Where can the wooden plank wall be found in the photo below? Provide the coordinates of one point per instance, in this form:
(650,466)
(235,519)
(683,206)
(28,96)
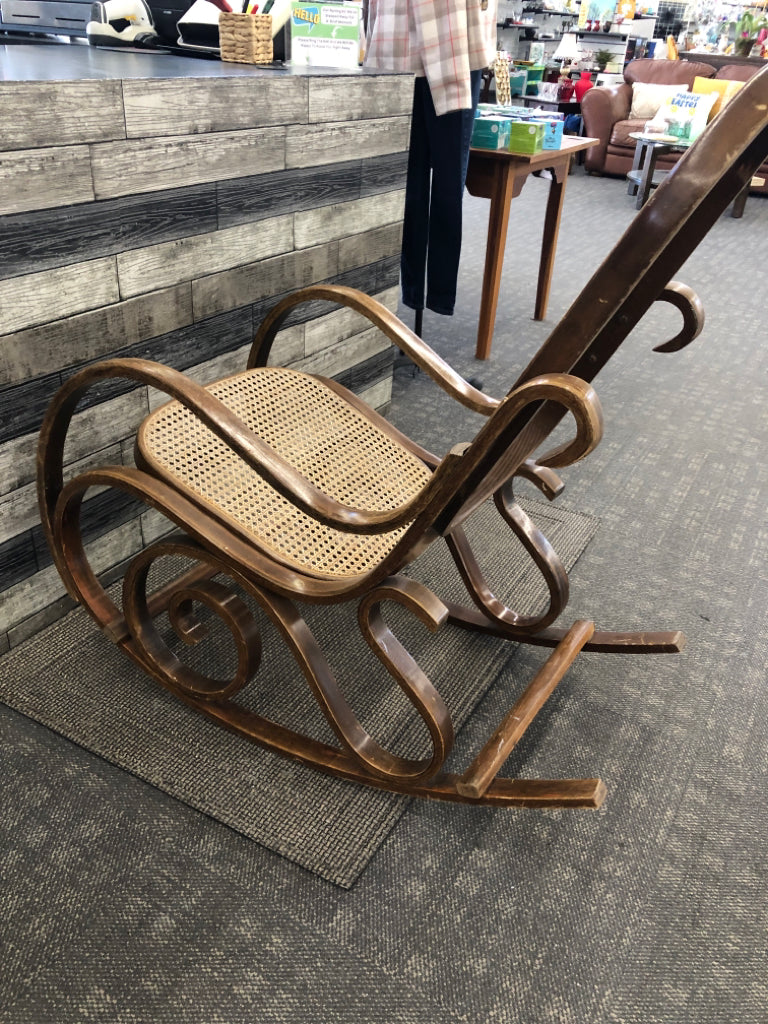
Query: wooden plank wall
(161,219)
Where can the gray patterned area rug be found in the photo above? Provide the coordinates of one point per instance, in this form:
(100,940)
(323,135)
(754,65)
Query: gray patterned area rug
(71,679)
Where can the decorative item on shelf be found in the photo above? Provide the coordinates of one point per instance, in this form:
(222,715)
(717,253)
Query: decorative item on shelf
(565,89)
(518,80)
(566,54)
(583,83)
(596,25)
(602,57)
(547,92)
(747,31)
(536,53)
(501,73)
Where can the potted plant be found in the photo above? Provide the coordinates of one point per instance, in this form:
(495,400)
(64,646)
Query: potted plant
(746,31)
(602,57)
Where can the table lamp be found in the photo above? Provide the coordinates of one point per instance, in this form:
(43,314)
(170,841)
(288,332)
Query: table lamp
(567,50)
(566,53)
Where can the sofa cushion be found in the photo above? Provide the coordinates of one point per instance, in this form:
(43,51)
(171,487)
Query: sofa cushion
(723,88)
(683,116)
(647,97)
(737,72)
(668,72)
(621,130)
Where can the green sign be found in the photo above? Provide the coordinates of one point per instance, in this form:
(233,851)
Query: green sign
(326,35)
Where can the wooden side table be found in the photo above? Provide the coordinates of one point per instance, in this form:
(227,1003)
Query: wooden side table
(644,176)
(500,176)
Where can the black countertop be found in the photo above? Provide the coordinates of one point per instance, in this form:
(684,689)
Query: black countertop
(51,61)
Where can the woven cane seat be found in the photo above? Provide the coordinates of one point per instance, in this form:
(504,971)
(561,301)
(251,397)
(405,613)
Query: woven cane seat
(327,440)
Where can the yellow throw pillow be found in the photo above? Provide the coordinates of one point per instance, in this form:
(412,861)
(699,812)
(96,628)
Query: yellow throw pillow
(647,97)
(724,87)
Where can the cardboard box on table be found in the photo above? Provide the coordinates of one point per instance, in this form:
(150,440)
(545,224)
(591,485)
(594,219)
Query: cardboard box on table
(490,132)
(547,133)
(526,137)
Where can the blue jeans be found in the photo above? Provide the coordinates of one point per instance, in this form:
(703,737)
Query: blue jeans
(437,170)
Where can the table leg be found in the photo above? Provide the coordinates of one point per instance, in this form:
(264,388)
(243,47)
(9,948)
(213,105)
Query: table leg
(637,165)
(646,182)
(737,210)
(549,238)
(498,220)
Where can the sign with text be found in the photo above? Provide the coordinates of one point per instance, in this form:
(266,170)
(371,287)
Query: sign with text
(325,35)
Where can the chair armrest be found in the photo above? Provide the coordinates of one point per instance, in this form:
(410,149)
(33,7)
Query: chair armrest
(411,344)
(601,108)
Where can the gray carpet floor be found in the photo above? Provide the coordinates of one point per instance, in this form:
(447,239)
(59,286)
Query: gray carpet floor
(122,904)
(328,826)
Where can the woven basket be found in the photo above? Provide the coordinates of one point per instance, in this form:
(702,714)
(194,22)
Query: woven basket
(245,38)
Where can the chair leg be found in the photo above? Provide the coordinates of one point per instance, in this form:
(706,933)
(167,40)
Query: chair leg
(491,616)
(477,778)
(603,641)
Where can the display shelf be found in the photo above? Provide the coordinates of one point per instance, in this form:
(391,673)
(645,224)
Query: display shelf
(527,24)
(603,35)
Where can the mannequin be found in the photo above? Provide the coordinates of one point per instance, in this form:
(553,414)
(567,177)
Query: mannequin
(447,45)
(437,169)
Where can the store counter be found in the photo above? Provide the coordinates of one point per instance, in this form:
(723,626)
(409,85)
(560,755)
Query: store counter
(154,205)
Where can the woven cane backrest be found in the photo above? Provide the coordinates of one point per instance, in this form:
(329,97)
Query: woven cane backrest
(312,428)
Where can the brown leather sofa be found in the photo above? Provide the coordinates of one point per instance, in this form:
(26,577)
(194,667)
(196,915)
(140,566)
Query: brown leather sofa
(605,110)
(742,73)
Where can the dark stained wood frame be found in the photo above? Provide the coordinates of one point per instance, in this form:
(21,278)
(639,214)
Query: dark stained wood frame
(664,233)
(500,176)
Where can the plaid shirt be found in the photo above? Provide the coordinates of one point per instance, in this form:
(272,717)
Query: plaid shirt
(442,39)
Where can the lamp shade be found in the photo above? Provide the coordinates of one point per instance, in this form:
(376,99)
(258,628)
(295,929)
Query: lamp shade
(567,49)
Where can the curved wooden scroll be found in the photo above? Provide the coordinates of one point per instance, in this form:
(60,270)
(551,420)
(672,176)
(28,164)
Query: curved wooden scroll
(688,302)
(541,552)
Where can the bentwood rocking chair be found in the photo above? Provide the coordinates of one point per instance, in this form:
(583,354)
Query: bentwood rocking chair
(292,488)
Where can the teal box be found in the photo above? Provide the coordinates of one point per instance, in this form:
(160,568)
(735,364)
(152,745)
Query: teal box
(501,110)
(553,134)
(490,133)
(518,80)
(526,137)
